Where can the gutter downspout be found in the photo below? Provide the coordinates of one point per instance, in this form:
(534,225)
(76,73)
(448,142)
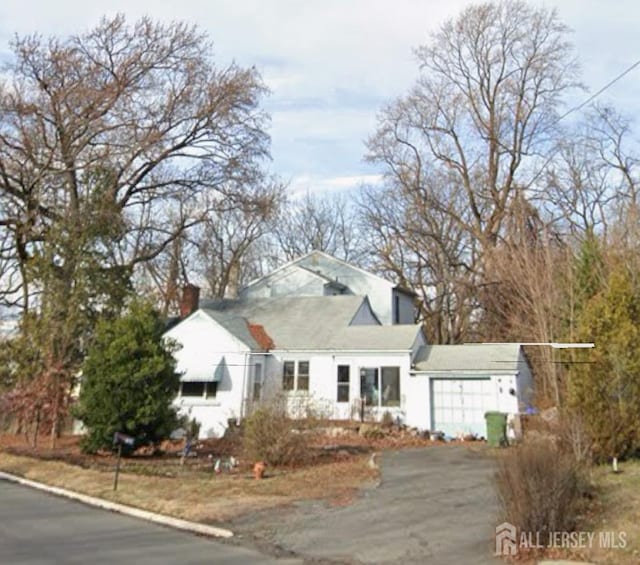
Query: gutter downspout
(243,401)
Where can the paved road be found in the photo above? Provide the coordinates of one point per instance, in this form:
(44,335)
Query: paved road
(433,506)
(40,529)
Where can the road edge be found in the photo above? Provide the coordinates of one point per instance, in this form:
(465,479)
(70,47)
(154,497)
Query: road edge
(177,523)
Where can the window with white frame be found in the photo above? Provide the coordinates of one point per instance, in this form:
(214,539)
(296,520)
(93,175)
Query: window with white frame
(302,380)
(198,389)
(343,383)
(295,375)
(380,386)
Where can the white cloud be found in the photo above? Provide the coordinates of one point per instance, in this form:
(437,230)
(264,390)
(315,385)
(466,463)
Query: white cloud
(302,184)
(331,64)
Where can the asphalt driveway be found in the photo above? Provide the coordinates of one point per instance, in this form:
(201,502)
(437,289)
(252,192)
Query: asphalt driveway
(434,505)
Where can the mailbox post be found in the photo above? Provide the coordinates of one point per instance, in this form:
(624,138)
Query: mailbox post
(120,439)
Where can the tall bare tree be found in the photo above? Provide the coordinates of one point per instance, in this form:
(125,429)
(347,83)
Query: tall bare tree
(424,250)
(316,222)
(469,137)
(108,140)
(224,250)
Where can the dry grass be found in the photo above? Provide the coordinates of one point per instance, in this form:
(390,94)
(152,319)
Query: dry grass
(201,496)
(617,510)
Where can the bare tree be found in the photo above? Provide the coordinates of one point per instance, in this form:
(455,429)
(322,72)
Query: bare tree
(424,250)
(591,184)
(118,126)
(108,140)
(528,298)
(316,222)
(468,140)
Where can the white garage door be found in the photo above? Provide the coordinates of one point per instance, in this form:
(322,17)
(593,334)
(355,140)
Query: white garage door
(458,405)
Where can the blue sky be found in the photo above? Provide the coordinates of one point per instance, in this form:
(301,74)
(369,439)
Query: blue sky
(332,64)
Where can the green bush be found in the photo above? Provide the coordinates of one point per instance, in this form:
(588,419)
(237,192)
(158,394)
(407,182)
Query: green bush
(128,381)
(269,436)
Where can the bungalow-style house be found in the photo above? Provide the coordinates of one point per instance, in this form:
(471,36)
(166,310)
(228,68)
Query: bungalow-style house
(309,333)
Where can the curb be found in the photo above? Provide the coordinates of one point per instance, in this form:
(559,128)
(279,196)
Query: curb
(177,523)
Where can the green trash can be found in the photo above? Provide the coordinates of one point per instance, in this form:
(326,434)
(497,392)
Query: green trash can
(496,428)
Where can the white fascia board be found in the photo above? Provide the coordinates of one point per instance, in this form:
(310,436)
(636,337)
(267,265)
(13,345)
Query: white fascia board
(347,264)
(461,372)
(342,351)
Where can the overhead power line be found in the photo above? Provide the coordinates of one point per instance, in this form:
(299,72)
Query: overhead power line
(599,92)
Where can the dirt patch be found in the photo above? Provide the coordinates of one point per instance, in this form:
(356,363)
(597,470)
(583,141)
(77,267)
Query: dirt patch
(199,495)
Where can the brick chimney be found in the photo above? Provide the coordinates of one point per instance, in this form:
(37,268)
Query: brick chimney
(190,299)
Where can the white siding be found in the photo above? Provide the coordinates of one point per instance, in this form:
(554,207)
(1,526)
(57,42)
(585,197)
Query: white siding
(359,282)
(323,384)
(289,281)
(298,279)
(417,402)
(204,343)
(438,400)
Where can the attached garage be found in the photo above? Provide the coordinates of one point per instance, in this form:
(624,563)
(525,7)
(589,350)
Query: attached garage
(458,405)
(466,381)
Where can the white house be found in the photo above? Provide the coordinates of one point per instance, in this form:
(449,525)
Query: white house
(319,274)
(288,335)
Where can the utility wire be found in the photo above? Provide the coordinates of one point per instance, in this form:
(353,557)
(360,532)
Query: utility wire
(596,94)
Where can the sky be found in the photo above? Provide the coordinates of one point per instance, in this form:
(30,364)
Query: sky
(331,65)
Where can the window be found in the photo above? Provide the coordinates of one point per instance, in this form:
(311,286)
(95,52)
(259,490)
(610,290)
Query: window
(199,389)
(380,386)
(288,375)
(369,386)
(343,383)
(295,376)
(396,309)
(303,375)
(390,386)
(257,382)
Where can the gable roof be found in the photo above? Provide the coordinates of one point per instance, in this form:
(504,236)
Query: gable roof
(314,323)
(328,280)
(376,338)
(313,256)
(303,263)
(291,322)
(238,327)
(474,357)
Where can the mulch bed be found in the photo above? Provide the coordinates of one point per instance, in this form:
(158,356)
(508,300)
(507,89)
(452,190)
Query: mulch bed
(327,443)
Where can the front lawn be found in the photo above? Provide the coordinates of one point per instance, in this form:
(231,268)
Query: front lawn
(616,509)
(198,495)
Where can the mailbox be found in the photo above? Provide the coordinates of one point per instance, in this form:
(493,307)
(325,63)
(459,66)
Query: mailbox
(123,439)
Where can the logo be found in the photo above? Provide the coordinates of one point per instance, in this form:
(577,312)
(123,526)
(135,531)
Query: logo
(506,539)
